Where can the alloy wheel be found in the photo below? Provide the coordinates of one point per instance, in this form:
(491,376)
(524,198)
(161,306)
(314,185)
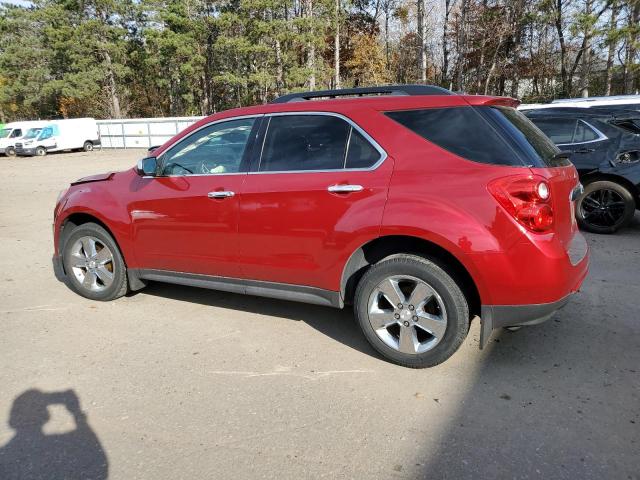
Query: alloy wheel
(602,208)
(92,263)
(407,314)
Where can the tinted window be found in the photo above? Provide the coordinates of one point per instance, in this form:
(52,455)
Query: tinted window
(535,147)
(361,153)
(460,130)
(217,148)
(584,133)
(304,142)
(559,130)
(629,125)
(16,133)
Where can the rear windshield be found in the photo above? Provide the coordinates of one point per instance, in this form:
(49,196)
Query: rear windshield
(488,134)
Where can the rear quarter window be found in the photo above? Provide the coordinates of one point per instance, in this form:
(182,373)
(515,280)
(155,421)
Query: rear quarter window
(460,130)
(491,135)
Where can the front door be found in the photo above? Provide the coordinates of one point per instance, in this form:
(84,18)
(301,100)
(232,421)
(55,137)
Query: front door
(186,219)
(316,194)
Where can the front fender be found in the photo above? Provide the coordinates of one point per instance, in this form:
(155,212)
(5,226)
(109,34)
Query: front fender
(112,214)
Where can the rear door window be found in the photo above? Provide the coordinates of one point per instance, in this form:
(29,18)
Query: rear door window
(361,154)
(314,142)
(584,133)
(559,130)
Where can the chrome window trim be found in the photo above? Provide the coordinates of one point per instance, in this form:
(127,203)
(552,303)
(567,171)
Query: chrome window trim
(601,136)
(369,138)
(215,122)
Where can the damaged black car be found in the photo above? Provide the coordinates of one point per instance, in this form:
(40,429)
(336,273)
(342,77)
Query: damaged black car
(604,146)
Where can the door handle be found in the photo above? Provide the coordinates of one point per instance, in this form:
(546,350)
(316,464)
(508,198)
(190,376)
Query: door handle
(345,188)
(220,194)
(586,150)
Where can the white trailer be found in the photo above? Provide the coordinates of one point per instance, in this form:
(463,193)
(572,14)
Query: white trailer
(141,132)
(58,135)
(14,132)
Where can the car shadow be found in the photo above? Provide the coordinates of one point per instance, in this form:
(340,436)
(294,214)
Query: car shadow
(337,324)
(35,454)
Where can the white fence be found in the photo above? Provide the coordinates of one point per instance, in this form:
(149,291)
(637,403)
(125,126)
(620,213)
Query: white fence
(141,132)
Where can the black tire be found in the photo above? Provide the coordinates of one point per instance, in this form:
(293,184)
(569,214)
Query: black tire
(617,207)
(10,152)
(41,151)
(118,286)
(88,146)
(455,303)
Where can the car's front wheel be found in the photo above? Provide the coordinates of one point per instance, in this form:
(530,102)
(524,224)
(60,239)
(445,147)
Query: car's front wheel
(93,263)
(10,152)
(605,207)
(411,311)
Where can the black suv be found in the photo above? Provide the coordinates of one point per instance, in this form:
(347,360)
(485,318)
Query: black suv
(605,148)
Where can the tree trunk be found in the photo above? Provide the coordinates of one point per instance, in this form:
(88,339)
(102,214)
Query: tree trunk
(387,11)
(563,49)
(421,39)
(632,49)
(586,56)
(114,107)
(279,68)
(445,43)
(336,49)
(461,47)
(613,22)
(311,46)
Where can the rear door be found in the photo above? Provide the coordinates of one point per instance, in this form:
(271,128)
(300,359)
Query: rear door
(314,195)
(588,146)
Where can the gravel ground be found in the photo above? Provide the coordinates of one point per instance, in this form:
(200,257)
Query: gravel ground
(176,382)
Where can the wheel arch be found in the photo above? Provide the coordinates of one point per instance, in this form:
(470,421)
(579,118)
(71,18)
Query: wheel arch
(381,247)
(587,177)
(76,219)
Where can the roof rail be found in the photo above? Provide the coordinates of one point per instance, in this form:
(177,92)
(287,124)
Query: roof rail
(403,90)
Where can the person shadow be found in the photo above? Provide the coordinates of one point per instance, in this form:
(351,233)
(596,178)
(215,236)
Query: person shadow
(33,454)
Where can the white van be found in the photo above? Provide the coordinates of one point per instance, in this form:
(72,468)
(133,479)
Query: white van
(58,135)
(13,132)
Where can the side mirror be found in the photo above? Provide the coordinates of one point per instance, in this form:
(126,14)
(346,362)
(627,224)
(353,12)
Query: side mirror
(147,167)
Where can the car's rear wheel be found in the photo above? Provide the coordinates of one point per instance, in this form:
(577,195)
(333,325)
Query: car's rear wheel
(411,311)
(605,207)
(88,146)
(93,263)
(41,151)
(10,151)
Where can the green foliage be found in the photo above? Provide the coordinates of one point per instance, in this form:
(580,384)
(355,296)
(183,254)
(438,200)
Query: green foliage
(109,58)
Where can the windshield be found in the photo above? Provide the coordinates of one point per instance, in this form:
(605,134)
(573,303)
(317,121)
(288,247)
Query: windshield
(32,133)
(4,133)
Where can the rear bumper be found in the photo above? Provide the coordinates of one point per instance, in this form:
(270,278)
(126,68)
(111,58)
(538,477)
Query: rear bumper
(498,316)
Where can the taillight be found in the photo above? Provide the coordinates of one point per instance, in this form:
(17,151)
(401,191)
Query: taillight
(527,199)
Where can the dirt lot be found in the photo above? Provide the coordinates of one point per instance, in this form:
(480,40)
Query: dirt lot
(180,382)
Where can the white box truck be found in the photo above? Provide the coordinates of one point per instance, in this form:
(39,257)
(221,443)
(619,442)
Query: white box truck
(58,135)
(14,132)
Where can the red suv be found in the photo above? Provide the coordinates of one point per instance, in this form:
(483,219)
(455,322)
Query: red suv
(419,207)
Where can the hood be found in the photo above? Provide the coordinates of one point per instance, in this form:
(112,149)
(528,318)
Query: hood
(101,177)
